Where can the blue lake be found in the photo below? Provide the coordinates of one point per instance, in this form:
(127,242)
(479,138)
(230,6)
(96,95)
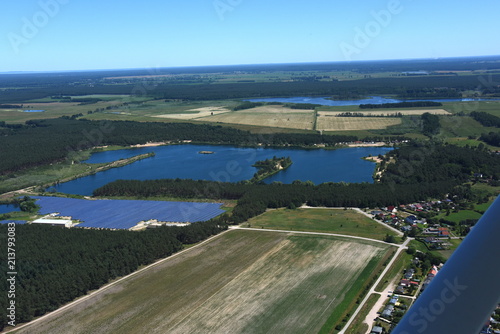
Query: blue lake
(229,164)
(371,100)
(6,208)
(33,110)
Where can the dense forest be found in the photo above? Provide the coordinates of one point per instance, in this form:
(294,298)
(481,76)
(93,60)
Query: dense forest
(430,124)
(486,119)
(428,87)
(47,141)
(417,104)
(492,138)
(56,265)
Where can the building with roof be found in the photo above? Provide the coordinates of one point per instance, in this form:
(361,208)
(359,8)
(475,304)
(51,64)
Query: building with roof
(387,312)
(54,222)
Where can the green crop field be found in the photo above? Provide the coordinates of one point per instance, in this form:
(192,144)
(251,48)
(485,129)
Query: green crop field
(332,123)
(348,222)
(239,282)
(457,217)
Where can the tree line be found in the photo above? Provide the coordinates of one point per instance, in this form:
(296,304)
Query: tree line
(416,104)
(47,141)
(486,119)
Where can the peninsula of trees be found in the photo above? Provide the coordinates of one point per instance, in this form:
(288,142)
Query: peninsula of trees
(270,167)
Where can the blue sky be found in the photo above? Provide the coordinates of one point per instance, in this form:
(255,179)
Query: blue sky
(44,35)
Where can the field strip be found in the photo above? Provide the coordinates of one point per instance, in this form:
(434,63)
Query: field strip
(313,233)
(372,289)
(107,286)
(223,287)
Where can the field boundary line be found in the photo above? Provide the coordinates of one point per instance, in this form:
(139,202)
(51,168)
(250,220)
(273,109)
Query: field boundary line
(109,285)
(312,233)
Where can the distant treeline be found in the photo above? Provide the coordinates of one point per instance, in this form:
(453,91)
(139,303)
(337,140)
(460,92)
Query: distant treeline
(47,141)
(10,106)
(420,172)
(307,106)
(428,87)
(248,105)
(364,114)
(56,265)
(486,119)
(430,124)
(417,104)
(492,138)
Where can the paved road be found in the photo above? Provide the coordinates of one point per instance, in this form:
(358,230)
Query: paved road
(372,290)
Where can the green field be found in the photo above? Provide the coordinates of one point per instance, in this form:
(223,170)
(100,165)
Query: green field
(462,126)
(457,217)
(348,222)
(239,282)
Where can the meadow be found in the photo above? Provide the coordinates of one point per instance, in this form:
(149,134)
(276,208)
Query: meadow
(347,222)
(332,123)
(239,282)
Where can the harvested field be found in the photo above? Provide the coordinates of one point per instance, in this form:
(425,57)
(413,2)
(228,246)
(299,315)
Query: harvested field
(387,112)
(295,120)
(239,282)
(272,109)
(331,123)
(196,113)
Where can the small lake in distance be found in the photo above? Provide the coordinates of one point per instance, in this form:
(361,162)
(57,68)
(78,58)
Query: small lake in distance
(325,101)
(229,164)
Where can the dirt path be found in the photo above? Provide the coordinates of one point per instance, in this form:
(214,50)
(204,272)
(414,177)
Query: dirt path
(312,233)
(373,314)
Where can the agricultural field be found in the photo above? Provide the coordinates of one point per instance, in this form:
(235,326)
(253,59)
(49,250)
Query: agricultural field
(457,217)
(331,123)
(196,113)
(459,126)
(54,108)
(286,119)
(347,222)
(239,282)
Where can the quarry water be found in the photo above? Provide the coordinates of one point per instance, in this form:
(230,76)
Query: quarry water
(228,164)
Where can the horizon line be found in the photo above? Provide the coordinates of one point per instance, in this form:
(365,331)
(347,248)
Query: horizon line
(247,64)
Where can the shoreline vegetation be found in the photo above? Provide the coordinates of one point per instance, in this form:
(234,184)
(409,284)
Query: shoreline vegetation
(92,169)
(270,167)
